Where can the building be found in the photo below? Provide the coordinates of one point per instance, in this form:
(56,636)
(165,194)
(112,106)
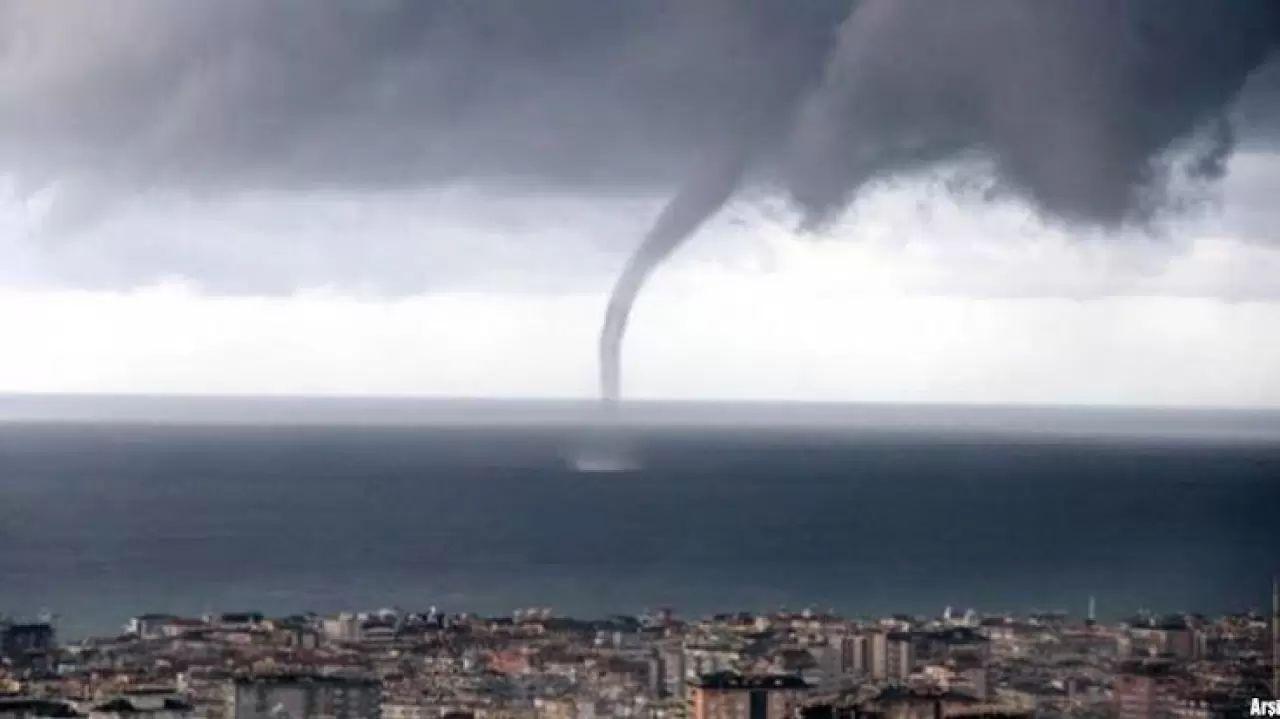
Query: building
(1170,637)
(828,665)
(953,643)
(702,659)
(853,653)
(828,711)
(237,621)
(148,626)
(303,697)
(1205,706)
(27,708)
(26,644)
(870,654)
(1275,637)
(410,709)
(727,695)
(557,709)
(346,627)
(878,655)
(899,657)
(671,659)
(1144,691)
(974,681)
(905,703)
(142,708)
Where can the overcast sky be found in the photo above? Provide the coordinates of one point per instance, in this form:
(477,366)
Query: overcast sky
(426,199)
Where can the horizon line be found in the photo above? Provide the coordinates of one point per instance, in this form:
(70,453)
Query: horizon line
(642,401)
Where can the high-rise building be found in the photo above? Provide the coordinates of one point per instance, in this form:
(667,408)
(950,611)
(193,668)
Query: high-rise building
(733,696)
(1144,691)
(878,655)
(303,697)
(345,627)
(875,655)
(671,658)
(25,645)
(900,656)
(853,654)
(973,679)
(828,665)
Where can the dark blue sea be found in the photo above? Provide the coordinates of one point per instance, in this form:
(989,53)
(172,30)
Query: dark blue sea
(284,506)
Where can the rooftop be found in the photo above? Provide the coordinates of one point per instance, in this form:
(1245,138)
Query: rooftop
(124,706)
(897,693)
(300,679)
(1147,668)
(726,681)
(25,706)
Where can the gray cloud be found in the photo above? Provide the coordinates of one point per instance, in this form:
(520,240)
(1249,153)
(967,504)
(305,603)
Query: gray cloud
(1073,100)
(1076,103)
(214,94)
(1079,107)
(369,244)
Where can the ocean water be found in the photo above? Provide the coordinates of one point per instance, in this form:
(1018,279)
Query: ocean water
(101,520)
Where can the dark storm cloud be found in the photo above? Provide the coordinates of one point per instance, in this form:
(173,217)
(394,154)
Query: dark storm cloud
(1076,105)
(1072,100)
(1075,102)
(240,93)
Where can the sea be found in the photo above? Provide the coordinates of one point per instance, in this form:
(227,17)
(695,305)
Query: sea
(112,507)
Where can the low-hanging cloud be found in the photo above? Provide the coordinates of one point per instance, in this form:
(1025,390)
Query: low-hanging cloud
(239,94)
(1077,107)
(1075,103)
(1073,100)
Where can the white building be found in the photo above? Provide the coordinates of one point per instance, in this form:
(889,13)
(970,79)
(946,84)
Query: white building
(346,627)
(149,626)
(303,697)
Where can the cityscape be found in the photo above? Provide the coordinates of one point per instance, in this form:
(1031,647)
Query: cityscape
(640,359)
(533,664)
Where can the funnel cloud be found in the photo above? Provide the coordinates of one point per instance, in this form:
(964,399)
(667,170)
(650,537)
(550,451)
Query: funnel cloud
(1095,113)
(1075,105)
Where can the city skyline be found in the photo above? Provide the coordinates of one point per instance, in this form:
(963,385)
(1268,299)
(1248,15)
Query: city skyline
(689,359)
(754,665)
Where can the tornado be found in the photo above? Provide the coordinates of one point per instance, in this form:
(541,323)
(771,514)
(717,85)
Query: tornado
(1079,127)
(707,190)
